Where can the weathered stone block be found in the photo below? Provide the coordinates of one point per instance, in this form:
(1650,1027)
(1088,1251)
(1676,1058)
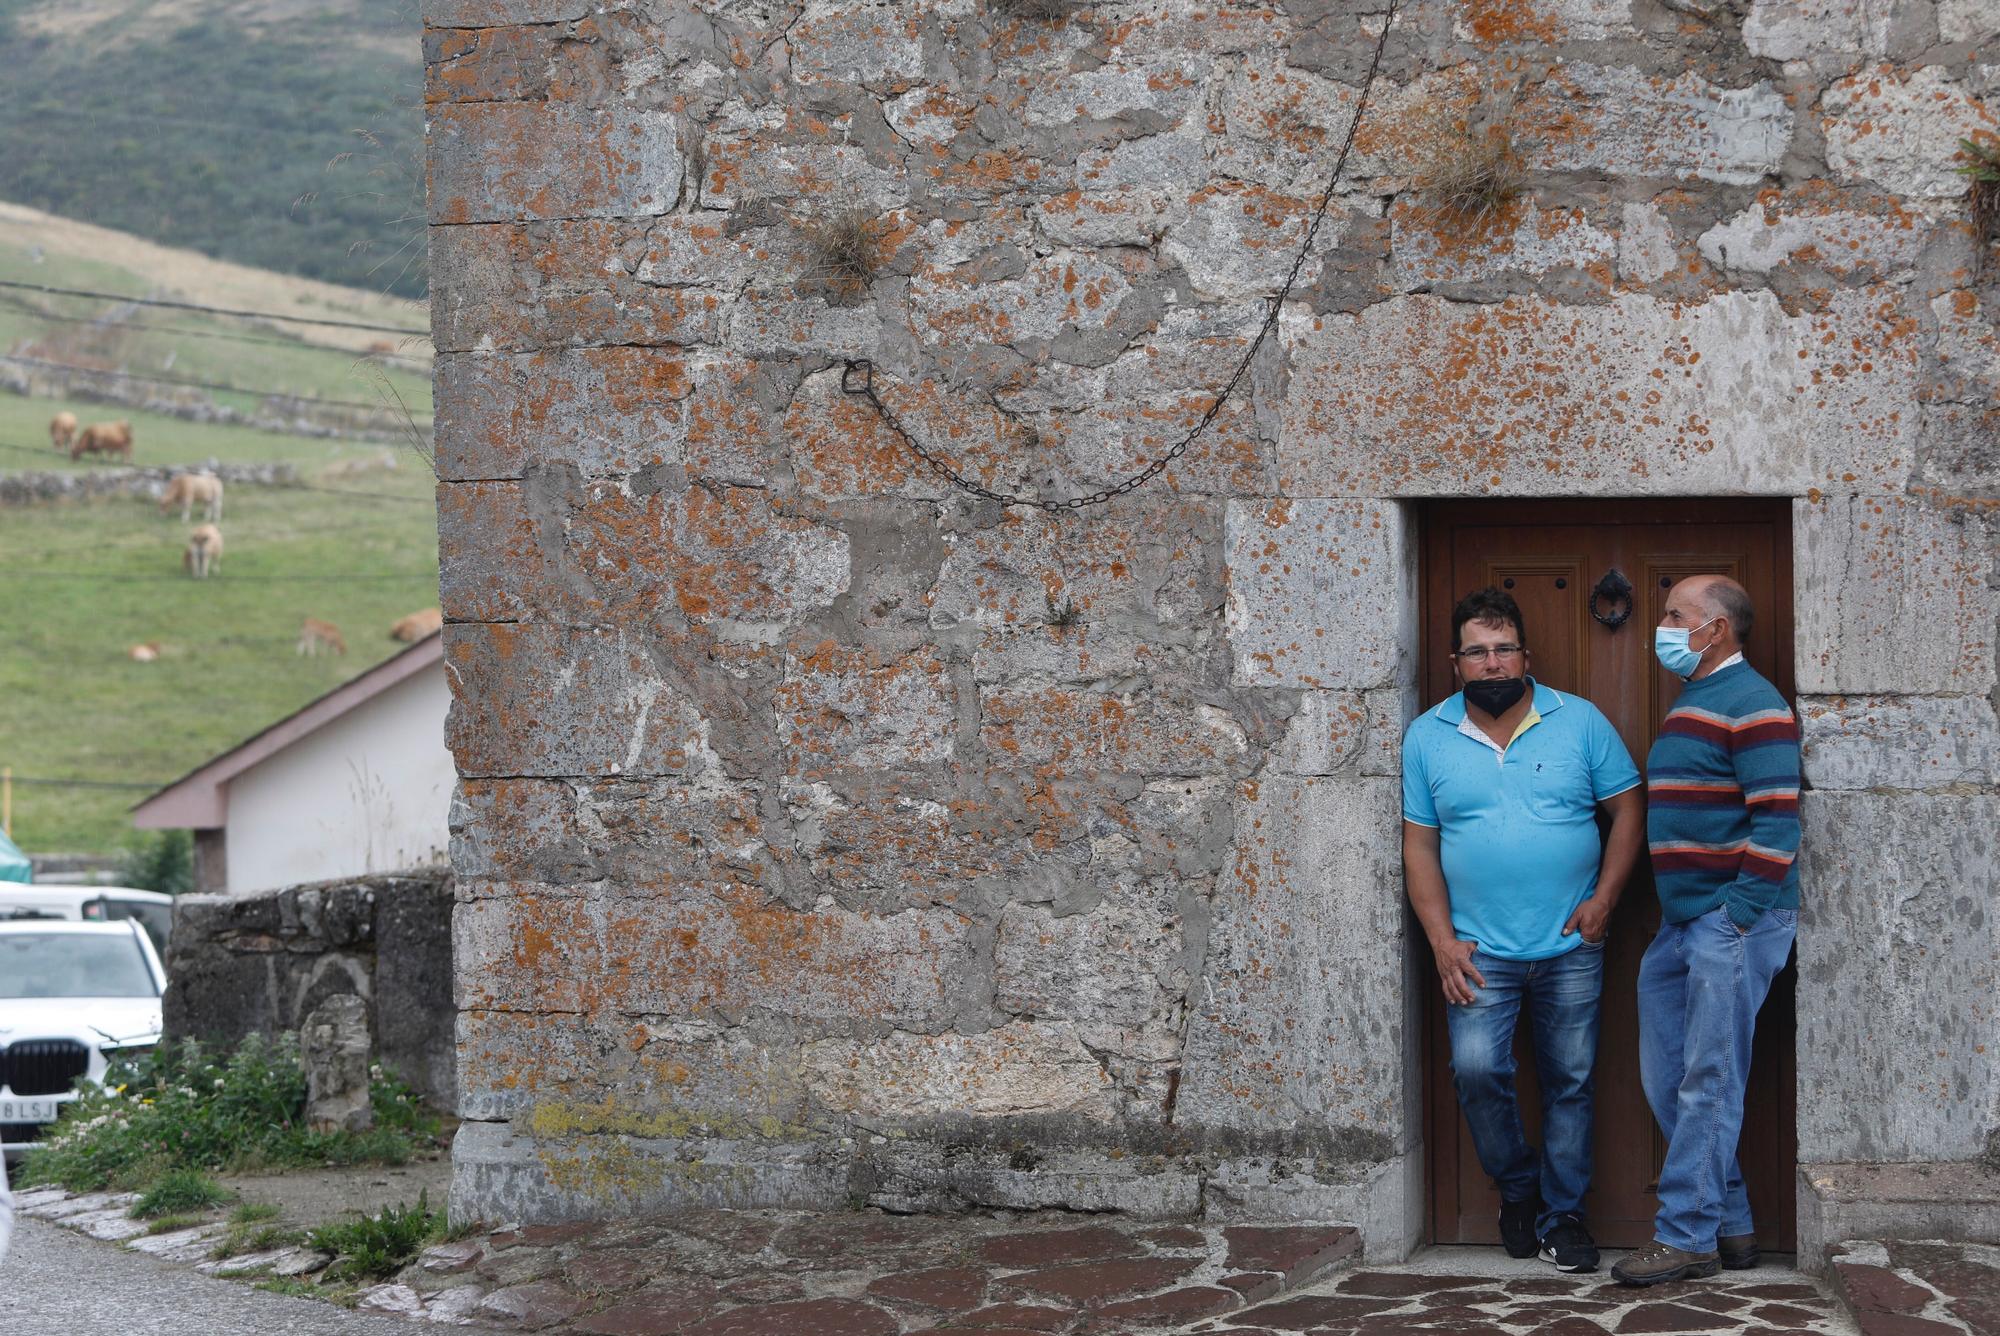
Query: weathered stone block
(839,707)
(1116,973)
(1026,1067)
(1900,597)
(1899,742)
(1835,231)
(1344,732)
(499,1174)
(1422,397)
(537,699)
(608,410)
(1151,565)
(1150,732)
(513,161)
(503,286)
(487,64)
(494,13)
(1897,1059)
(1802,29)
(334,1048)
(1430,249)
(881,50)
(1300,1027)
(1900,130)
(562,832)
(1620,121)
(720,953)
(1321,593)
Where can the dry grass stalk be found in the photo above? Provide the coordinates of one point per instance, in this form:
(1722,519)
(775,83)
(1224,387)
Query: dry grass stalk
(1038,11)
(840,252)
(1472,168)
(1982,172)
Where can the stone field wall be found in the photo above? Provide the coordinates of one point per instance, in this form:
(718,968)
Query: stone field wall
(828,834)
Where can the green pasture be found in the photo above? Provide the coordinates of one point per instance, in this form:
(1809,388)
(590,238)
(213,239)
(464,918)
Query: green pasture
(84,581)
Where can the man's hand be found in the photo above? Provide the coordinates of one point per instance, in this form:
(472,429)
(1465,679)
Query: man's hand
(1592,918)
(1454,961)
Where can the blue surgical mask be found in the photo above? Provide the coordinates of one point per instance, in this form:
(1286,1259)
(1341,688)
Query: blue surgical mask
(1670,646)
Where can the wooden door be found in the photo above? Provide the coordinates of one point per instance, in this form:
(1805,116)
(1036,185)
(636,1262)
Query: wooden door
(1549,556)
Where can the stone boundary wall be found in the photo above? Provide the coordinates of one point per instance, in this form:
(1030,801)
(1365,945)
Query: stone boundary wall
(824,833)
(29,487)
(260,963)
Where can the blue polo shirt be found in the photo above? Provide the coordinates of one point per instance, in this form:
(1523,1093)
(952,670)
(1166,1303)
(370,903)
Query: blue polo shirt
(1517,828)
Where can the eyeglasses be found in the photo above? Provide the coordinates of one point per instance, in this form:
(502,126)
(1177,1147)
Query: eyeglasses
(1479,653)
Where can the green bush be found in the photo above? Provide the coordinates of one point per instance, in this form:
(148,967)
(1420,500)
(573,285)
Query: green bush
(187,1106)
(377,1246)
(164,863)
(179,1192)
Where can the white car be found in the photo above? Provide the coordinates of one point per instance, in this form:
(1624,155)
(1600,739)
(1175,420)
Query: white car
(72,996)
(103,904)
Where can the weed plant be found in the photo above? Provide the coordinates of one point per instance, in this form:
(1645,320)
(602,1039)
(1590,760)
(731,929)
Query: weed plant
(1982,170)
(254,1227)
(188,1106)
(378,1246)
(179,1192)
(840,252)
(1035,11)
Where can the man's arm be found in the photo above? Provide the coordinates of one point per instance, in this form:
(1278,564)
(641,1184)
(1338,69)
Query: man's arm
(1423,874)
(1765,751)
(1627,811)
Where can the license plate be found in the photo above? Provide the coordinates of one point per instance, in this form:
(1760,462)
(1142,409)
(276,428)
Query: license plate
(28,1110)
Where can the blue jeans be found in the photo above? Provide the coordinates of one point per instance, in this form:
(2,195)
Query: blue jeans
(1562,994)
(1700,986)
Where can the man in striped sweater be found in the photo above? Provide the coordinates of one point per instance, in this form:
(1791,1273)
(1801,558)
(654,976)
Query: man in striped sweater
(1722,821)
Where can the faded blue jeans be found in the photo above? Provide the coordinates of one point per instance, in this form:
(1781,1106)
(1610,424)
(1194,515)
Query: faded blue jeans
(1700,986)
(1562,994)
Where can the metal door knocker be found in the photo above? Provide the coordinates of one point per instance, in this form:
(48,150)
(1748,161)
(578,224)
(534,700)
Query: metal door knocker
(1615,590)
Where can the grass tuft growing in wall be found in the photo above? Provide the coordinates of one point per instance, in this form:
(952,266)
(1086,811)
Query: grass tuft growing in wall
(1471,165)
(1035,11)
(1982,170)
(840,252)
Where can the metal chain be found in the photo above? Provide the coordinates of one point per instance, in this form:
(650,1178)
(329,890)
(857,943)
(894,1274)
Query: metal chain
(858,374)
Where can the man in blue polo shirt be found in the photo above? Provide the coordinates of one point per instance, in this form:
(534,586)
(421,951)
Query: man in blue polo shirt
(1501,787)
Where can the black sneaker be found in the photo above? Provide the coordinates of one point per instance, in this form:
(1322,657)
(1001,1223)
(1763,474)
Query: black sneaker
(1569,1245)
(1517,1226)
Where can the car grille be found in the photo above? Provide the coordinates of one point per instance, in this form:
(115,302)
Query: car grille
(43,1066)
(15,1134)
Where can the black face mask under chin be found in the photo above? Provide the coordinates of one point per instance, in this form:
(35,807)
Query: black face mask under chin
(1496,695)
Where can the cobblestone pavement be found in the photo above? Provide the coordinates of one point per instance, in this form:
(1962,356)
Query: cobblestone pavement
(775,1273)
(1929,1288)
(1481,1290)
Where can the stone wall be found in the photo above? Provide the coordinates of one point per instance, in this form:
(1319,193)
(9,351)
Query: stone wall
(826,833)
(259,964)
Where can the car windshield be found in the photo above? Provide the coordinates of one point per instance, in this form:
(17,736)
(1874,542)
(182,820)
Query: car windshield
(72,964)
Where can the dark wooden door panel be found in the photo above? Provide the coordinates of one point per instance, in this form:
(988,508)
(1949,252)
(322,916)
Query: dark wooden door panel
(1549,556)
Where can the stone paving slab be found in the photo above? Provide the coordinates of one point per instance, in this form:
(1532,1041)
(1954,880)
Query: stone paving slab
(771,1273)
(1481,1290)
(1928,1287)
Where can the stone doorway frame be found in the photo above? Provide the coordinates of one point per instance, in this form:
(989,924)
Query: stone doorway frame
(1894,660)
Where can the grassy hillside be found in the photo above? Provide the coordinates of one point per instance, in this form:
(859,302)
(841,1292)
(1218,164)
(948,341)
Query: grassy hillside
(210,124)
(83,582)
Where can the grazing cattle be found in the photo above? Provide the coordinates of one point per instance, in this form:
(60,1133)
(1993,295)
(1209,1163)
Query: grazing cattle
(191,489)
(316,635)
(62,430)
(103,438)
(204,551)
(417,625)
(145,653)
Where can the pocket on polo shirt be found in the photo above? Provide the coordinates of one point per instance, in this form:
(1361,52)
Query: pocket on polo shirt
(1559,791)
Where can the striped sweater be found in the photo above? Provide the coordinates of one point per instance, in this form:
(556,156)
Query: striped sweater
(1722,803)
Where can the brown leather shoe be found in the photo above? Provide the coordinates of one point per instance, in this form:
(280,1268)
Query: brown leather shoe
(1657,1262)
(1738,1252)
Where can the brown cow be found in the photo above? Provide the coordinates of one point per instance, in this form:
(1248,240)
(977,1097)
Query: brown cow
(191,489)
(104,438)
(417,625)
(204,551)
(62,430)
(316,635)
